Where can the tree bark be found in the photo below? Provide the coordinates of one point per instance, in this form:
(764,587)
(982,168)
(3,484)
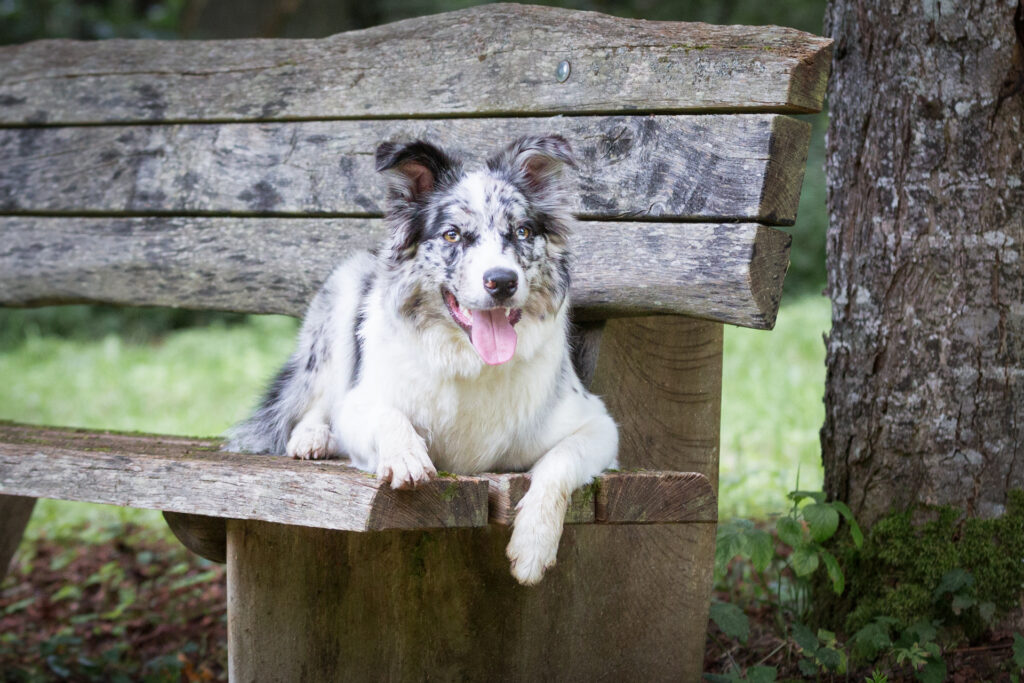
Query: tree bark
(925,389)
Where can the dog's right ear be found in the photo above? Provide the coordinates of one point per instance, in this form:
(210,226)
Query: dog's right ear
(413,170)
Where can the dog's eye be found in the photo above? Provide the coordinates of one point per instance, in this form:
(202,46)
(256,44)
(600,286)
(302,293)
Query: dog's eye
(452,235)
(523,233)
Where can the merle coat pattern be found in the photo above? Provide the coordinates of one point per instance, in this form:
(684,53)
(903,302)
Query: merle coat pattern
(449,347)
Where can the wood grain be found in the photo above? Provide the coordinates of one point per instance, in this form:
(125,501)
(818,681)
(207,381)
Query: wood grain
(726,272)
(635,497)
(661,379)
(624,602)
(744,167)
(655,497)
(492,59)
(192,476)
(15,512)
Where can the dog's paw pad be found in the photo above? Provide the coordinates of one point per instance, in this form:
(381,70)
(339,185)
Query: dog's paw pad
(406,468)
(310,442)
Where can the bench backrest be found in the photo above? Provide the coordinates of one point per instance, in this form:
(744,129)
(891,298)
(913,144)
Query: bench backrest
(234,174)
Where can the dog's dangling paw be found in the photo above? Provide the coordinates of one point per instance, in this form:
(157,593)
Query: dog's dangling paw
(310,442)
(406,467)
(533,548)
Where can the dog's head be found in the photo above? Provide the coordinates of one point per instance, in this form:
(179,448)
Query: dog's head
(482,249)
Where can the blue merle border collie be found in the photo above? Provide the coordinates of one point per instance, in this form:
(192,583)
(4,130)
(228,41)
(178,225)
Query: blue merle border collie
(449,348)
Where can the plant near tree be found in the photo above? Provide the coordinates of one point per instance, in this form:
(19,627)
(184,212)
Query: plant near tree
(776,570)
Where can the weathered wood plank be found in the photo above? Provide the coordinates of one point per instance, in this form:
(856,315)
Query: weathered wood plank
(624,602)
(15,512)
(191,476)
(492,59)
(661,378)
(727,272)
(641,497)
(746,167)
(506,490)
(613,498)
(655,497)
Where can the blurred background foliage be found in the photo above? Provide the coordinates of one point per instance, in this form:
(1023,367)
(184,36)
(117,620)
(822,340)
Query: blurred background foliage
(188,372)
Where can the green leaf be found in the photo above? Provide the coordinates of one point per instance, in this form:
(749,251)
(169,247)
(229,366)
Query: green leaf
(871,639)
(805,638)
(847,513)
(829,658)
(962,602)
(934,671)
(808,667)
(790,532)
(731,620)
(1018,650)
(762,549)
(797,496)
(730,541)
(835,574)
(19,605)
(952,582)
(822,519)
(762,674)
(826,636)
(804,560)
(922,631)
(67,592)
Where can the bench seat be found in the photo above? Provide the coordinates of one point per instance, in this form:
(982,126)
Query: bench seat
(198,486)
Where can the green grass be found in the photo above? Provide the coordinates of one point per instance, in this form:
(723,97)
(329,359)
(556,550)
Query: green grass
(772,390)
(194,382)
(198,381)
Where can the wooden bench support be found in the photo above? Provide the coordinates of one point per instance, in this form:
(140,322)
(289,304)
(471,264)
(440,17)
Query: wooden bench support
(313,605)
(661,377)
(14,515)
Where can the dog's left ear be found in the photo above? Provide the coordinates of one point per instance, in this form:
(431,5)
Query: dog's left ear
(536,161)
(413,169)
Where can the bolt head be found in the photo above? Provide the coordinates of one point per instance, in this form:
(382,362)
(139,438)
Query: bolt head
(563,71)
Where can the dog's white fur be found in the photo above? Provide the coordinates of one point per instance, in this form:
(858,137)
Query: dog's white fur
(425,400)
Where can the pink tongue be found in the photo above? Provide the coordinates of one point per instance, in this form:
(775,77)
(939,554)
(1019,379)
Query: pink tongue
(493,336)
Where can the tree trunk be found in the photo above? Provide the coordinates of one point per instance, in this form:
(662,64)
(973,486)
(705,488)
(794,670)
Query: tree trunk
(925,390)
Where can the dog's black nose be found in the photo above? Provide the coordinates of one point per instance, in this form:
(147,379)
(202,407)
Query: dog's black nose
(501,283)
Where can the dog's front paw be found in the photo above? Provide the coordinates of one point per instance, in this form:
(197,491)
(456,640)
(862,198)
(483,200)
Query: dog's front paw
(405,466)
(310,442)
(534,545)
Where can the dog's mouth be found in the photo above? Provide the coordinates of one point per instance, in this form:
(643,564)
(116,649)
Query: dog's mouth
(490,330)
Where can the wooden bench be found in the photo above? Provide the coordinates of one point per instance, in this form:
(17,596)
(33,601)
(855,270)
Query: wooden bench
(233,175)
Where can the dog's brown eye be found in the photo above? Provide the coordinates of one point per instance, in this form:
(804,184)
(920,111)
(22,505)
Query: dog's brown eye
(452,236)
(523,233)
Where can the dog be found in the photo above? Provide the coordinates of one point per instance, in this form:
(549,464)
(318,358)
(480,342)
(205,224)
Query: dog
(449,347)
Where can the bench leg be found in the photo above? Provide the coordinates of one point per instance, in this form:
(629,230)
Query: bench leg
(661,378)
(316,605)
(14,514)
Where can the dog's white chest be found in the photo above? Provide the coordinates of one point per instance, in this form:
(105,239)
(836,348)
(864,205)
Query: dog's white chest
(481,424)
